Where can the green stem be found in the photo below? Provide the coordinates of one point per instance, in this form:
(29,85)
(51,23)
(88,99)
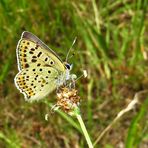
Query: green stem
(84,131)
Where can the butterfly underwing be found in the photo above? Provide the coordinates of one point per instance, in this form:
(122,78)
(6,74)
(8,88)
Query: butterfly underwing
(40,69)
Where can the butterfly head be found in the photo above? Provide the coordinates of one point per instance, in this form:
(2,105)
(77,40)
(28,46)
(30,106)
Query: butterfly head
(68,66)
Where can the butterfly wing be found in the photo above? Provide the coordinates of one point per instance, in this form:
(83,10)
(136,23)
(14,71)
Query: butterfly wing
(31,49)
(36,82)
(39,68)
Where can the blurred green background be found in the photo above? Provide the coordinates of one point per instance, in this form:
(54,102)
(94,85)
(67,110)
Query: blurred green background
(112,45)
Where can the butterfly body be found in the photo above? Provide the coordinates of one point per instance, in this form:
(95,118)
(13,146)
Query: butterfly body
(40,69)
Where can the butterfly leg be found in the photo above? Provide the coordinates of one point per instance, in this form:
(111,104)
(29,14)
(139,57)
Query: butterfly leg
(57,90)
(72,81)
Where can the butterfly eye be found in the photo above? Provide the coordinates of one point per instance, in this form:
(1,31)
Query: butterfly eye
(68,66)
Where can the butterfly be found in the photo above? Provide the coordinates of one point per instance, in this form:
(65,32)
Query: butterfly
(40,69)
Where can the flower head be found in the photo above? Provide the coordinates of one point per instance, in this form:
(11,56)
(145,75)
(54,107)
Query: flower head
(68,100)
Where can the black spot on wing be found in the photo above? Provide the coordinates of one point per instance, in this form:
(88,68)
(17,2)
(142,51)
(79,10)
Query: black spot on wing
(33,60)
(26,65)
(39,54)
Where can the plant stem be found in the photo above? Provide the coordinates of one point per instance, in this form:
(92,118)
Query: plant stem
(84,131)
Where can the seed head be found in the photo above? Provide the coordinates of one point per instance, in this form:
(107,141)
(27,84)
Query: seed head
(68,100)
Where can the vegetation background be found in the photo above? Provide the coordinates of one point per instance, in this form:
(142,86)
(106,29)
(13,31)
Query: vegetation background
(112,45)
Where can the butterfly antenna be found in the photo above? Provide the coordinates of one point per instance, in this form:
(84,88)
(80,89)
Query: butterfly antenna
(71,49)
(82,75)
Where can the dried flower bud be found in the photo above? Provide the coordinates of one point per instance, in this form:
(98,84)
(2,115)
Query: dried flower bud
(68,100)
